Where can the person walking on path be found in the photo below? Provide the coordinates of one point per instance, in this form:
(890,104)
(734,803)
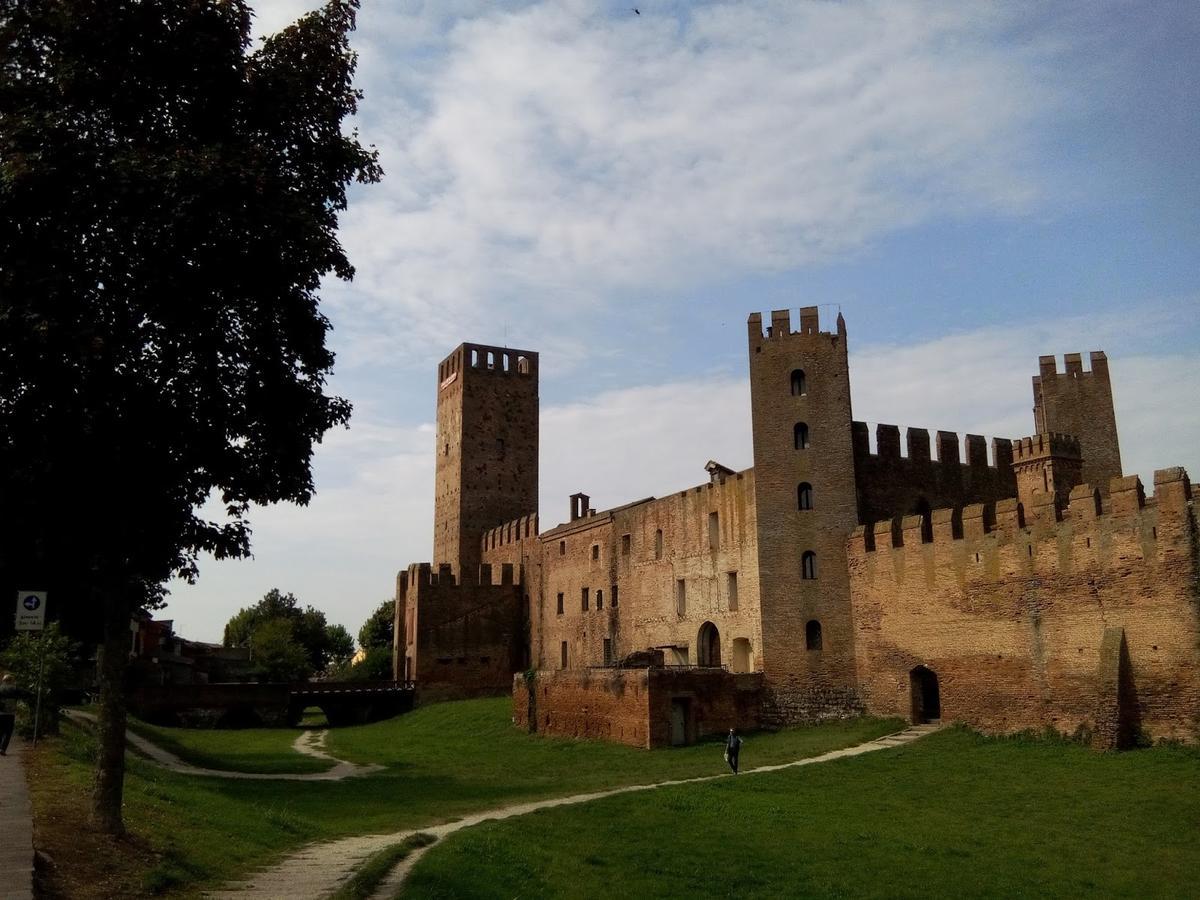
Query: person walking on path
(733,746)
(8,711)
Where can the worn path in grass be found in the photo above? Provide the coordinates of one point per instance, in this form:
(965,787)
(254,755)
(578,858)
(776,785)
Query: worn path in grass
(319,869)
(310,743)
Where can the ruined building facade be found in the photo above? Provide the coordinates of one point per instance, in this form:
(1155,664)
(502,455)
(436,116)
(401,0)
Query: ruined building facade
(1025,587)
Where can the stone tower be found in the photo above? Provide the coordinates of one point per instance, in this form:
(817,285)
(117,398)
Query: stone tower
(1046,464)
(487,449)
(1080,403)
(806,504)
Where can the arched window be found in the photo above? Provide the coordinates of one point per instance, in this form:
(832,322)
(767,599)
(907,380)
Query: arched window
(812,635)
(799,385)
(800,436)
(808,566)
(804,495)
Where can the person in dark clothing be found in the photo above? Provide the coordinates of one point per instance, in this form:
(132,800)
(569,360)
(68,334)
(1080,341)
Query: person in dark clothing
(733,746)
(8,711)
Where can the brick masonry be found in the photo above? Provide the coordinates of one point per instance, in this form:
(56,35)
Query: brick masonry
(1030,598)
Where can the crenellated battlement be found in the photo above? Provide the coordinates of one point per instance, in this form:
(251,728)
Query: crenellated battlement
(1040,446)
(486,359)
(918,446)
(513,532)
(420,576)
(1050,521)
(781,324)
(1073,365)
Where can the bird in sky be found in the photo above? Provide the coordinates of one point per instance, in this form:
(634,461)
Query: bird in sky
(636,10)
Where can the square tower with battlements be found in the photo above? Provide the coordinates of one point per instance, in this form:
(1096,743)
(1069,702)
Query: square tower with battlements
(1080,403)
(487,449)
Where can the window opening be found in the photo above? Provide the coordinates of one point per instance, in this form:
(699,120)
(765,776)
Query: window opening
(804,495)
(812,635)
(658,544)
(799,384)
(680,597)
(732,590)
(800,436)
(808,566)
(714,531)
(560,604)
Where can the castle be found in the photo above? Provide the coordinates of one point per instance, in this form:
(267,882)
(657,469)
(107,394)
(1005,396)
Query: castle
(1031,587)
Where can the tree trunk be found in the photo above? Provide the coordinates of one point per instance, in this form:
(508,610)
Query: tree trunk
(112,660)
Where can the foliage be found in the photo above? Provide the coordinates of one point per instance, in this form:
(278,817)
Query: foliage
(277,654)
(169,202)
(49,652)
(340,645)
(375,665)
(320,643)
(378,629)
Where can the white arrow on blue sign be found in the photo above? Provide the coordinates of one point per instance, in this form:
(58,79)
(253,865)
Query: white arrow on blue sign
(31,610)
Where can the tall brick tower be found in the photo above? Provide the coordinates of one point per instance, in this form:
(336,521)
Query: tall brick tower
(805,497)
(487,449)
(1080,403)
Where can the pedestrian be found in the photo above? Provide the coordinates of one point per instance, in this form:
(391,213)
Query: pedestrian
(8,711)
(733,746)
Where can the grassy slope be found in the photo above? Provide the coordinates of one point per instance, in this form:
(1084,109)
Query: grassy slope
(953,815)
(240,750)
(443,761)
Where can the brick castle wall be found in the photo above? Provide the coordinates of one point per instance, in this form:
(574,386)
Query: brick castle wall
(1023,622)
(634,706)
(890,484)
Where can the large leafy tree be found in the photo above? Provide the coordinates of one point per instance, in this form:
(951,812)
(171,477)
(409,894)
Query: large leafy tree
(377,630)
(169,200)
(321,644)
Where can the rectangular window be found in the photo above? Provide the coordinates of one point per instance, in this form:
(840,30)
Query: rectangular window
(680,598)
(608,656)
(583,596)
(625,541)
(613,597)
(560,604)
(658,544)
(562,548)
(599,599)
(714,531)
(595,551)
(563,664)
(731,584)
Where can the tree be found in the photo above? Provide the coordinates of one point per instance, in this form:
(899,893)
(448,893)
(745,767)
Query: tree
(169,202)
(278,654)
(341,645)
(321,642)
(44,658)
(377,631)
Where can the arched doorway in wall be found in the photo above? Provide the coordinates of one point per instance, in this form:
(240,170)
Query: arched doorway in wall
(926,696)
(708,645)
(742,660)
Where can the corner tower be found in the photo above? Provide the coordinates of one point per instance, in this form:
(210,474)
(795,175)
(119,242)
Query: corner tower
(1080,403)
(804,490)
(487,449)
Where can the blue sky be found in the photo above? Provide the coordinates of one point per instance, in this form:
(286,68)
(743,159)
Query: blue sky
(974,184)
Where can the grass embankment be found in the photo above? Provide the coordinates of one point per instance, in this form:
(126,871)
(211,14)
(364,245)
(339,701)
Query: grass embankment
(191,833)
(241,750)
(955,814)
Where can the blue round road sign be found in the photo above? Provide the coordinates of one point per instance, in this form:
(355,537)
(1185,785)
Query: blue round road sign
(32,602)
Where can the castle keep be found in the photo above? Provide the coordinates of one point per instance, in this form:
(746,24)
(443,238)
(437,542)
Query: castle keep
(1026,586)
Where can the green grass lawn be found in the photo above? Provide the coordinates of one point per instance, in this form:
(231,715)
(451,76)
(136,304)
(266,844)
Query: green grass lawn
(442,761)
(237,750)
(954,814)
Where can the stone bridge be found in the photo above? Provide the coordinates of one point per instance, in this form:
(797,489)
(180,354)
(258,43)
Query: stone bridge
(280,704)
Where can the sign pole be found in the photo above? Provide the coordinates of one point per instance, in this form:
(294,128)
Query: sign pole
(37,707)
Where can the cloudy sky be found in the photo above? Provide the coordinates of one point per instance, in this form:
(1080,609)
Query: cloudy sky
(973,184)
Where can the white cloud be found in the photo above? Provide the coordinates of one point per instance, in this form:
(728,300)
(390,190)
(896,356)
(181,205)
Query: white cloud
(373,512)
(540,156)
